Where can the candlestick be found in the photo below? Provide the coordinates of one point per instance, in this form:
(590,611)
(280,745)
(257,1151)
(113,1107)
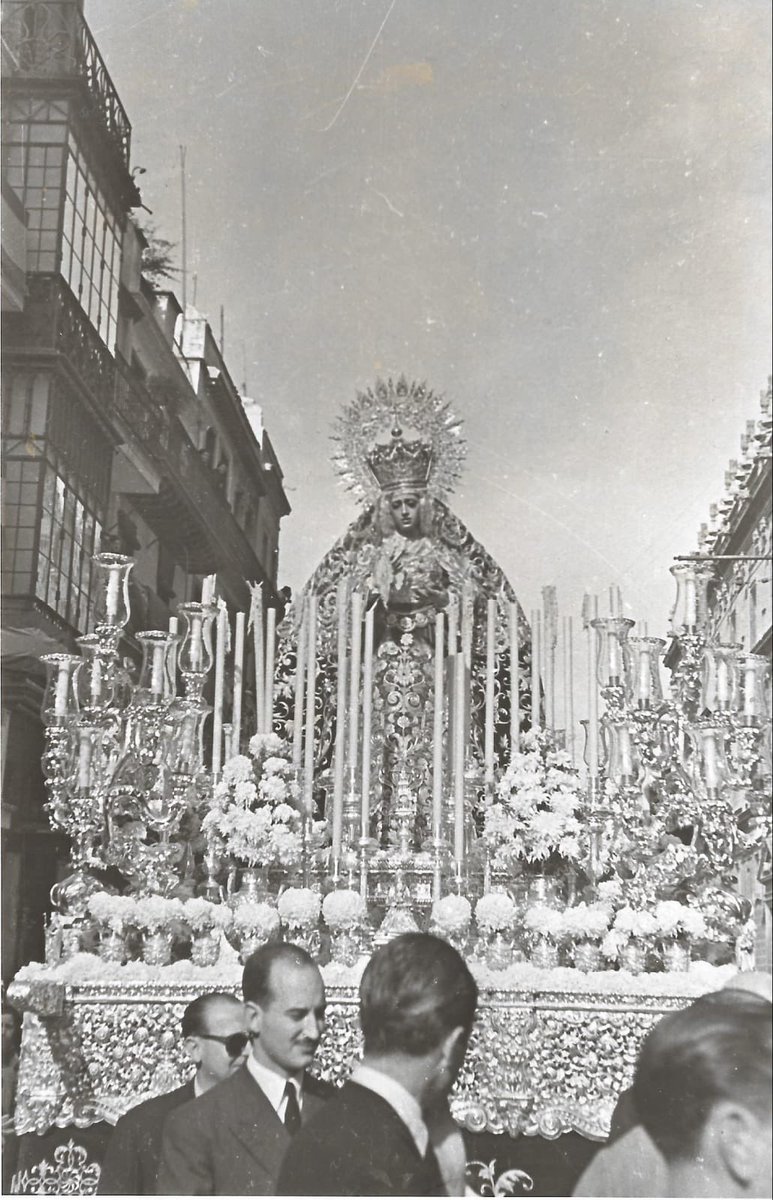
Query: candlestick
(238,682)
(217,718)
(453,624)
(488,729)
(311,681)
(458,750)
(300,680)
(84,760)
(570,726)
(270,652)
(367,709)
(339,756)
(437,744)
(515,671)
(354,684)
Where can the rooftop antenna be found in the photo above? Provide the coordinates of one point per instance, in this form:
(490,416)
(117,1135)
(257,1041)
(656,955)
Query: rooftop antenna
(183,152)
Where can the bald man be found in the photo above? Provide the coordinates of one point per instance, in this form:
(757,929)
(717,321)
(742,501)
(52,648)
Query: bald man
(630,1164)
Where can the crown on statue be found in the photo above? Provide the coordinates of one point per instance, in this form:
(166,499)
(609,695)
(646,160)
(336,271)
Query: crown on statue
(400,464)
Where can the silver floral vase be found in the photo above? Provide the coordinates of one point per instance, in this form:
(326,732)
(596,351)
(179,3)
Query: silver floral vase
(157,948)
(544,953)
(544,889)
(633,956)
(111,946)
(498,950)
(305,936)
(250,940)
(344,946)
(253,887)
(587,955)
(205,947)
(71,941)
(675,953)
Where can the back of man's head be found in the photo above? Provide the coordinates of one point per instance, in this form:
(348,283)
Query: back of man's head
(714,1055)
(256,977)
(197,1015)
(414,992)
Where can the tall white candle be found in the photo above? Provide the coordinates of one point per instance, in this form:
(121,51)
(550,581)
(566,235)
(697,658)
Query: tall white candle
(270,652)
(593,696)
(228,748)
(158,653)
(458,750)
(300,684)
(260,658)
(515,671)
(467,619)
(750,690)
(453,625)
(173,624)
(488,720)
(354,684)
(112,596)
(710,759)
(311,683)
(570,718)
(437,731)
(367,713)
(62,689)
(238,684)
(339,755)
(217,717)
(535,669)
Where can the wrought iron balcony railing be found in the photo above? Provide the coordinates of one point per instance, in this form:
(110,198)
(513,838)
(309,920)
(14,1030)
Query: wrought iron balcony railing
(47,40)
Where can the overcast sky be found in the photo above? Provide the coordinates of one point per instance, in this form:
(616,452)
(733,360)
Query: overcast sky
(556,212)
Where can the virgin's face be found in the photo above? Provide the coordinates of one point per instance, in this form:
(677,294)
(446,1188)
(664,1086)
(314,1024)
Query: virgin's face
(404,507)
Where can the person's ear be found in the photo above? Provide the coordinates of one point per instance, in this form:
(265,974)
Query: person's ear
(736,1136)
(192,1047)
(254,1016)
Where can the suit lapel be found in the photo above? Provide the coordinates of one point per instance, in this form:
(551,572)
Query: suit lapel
(256,1125)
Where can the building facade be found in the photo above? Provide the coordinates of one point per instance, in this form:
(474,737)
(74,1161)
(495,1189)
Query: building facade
(122,428)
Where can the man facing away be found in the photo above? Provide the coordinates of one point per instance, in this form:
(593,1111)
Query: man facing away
(702,1090)
(215,1038)
(231,1141)
(417,1006)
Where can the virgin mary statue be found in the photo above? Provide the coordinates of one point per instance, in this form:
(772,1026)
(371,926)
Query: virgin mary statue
(408,559)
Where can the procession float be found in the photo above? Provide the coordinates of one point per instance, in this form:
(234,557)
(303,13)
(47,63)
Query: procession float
(403,772)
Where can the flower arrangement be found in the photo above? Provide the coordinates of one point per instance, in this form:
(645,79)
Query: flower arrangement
(253,812)
(256,917)
(495,913)
(534,817)
(345,909)
(202,915)
(676,920)
(452,914)
(635,922)
(541,921)
(115,912)
(299,907)
(153,913)
(586,922)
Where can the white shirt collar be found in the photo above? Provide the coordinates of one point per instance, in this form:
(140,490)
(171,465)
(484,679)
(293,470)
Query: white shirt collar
(273,1085)
(398,1098)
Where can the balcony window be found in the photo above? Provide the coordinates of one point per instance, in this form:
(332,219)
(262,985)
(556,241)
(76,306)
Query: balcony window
(71,227)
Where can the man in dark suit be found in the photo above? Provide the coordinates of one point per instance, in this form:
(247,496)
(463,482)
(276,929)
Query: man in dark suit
(231,1142)
(417,1006)
(215,1038)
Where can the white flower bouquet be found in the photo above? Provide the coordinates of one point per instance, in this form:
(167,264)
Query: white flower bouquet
(452,914)
(115,912)
(676,920)
(254,813)
(256,917)
(534,816)
(542,921)
(299,907)
(586,922)
(495,913)
(202,915)
(153,913)
(345,909)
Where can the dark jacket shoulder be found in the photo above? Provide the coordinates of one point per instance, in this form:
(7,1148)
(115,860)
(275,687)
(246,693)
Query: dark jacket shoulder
(133,1152)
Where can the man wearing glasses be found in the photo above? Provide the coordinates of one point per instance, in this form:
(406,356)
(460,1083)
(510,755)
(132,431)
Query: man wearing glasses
(216,1040)
(232,1141)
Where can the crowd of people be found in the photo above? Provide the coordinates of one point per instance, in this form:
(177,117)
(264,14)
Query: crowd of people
(254,1120)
